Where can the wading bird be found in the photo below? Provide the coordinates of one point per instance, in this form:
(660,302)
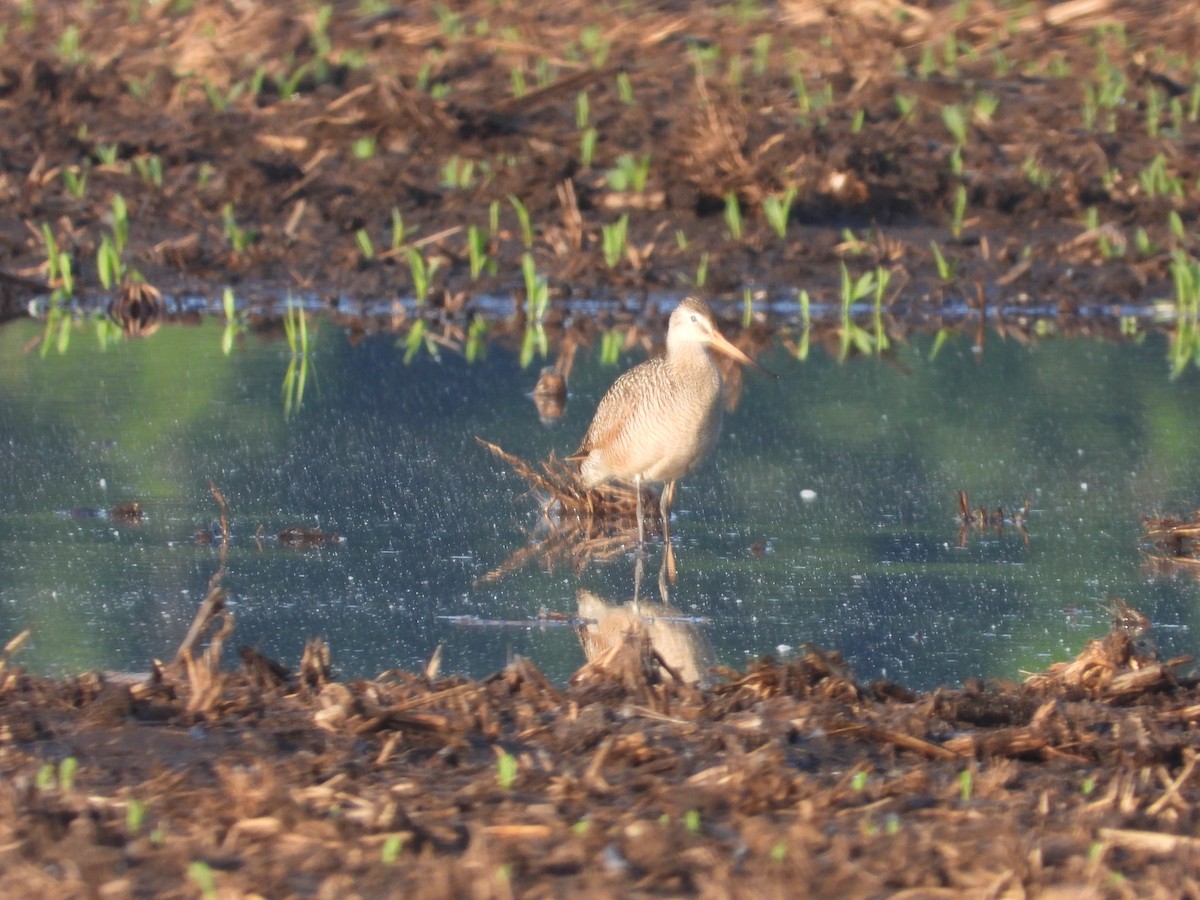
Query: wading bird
(662,416)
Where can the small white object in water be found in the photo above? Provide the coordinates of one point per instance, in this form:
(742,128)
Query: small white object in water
(808,495)
(1083,486)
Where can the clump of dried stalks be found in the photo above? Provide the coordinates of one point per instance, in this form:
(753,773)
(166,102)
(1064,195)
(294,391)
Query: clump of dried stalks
(1174,543)
(585,525)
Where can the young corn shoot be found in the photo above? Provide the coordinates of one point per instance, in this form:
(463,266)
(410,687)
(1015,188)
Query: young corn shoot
(523,220)
(778,209)
(537,301)
(613,237)
(733,216)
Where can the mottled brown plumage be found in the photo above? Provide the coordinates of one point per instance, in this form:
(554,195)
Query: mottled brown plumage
(661,417)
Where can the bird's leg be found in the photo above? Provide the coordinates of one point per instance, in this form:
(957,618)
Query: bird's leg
(638,571)
(637,487)
(665,502)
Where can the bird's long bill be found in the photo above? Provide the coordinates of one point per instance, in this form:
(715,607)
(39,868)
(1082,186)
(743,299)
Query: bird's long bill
(722,345)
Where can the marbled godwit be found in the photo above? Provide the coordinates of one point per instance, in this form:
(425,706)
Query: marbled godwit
(661,417)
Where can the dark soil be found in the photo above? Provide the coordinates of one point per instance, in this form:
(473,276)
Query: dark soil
(787,780)
(260,145)
(306,127)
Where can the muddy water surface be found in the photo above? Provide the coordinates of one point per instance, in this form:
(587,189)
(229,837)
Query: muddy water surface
(828,513)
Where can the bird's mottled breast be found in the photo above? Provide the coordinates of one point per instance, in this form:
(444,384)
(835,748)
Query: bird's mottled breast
(657,421)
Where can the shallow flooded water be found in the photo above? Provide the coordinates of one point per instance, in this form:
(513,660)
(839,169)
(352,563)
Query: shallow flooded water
(827,515)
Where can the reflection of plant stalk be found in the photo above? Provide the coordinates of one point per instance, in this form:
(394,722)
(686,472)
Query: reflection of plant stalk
(293,384)
(1185,341)
(295,328)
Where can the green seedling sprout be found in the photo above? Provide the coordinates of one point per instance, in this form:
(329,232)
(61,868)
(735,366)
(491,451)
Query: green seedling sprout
(458,174)
(762,53)
(422,274)
(955,120)
(389,853)
(110,268)
(947,270)
(66,773)
(75,180)
(594,44)
(537,301)
(1178,119)
(983,108)
(366,247)
(477,255)
(506,770)
(537,290)
(965,785)
(582,111)
(239,238)
(800,90)
(318,37)
(44,779)
(701,270)
(960,210)
(398,230)
(519,87)
(1155,101)
(135,816)
(629,174)
(610,347)
(733,71)
(852,335)
(779,852)
(747,307)
(691,821)
(150,169)
(805,326)
(201,875)
(221,102)
(928,65)
(523,220)
(613,237)
(906,105)
(1175,224)
(287,84)
(364,147)
(587,147)
(733,216)
(625,88)
(120,222)
(1038,176)
(1157,181)
(58,267)
(68,48)
(494,219)
(950,54)
(106,154)
(778,209)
